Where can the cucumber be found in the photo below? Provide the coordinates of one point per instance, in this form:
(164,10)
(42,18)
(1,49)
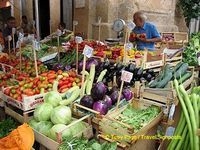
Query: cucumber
(101,76)
(181,71)
(178,66)
(185,77)
(75,94)
(166,79)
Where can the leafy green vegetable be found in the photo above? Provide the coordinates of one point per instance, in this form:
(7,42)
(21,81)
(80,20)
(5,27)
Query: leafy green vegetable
(80,143)
(6,126)
(190,53)
(138,117)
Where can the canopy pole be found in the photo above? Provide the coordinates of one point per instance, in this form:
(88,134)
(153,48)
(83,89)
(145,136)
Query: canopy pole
(37,20)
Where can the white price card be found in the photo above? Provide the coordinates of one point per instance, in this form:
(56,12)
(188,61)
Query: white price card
(88,51)
(9,38)
(13,30)
(21,37)
(170,131)
(128,46)
(36,45)
(126,76)
(59,32)
(130,25)
(78,39)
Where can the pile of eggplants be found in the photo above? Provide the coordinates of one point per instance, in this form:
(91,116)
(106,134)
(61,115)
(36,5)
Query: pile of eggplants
(115,69)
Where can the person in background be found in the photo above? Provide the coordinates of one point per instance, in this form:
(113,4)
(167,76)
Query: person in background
(11,23)
(145,34)
(27,27)
(62,26)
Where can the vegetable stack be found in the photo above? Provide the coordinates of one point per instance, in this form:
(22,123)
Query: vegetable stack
(189,120)
(179,72)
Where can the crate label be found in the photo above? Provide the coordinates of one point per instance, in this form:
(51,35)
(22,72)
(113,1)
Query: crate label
(88,51)
(33,101)
(78,39)
(126,76)
(154,64)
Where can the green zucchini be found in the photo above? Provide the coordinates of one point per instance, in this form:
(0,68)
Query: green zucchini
(178,66)
(90,79)
(185,77)
(181,71)
(101,76)
(165,80)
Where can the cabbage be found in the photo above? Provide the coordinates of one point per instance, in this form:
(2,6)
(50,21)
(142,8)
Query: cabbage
(61,115)
(33,123)
(59,128)
(43,112)
(44,127)
(53,98)
(77,128)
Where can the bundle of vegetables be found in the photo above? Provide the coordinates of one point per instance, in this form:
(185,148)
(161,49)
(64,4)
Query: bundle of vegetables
(189,120)
(6,126)
(137,118)
(115,69)
(179,72)
(51,118)
(190,54)
(98,97)
(67,61)
(83,144)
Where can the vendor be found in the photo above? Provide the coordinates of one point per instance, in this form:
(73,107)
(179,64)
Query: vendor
(144,34)
(11,23)
(27,27)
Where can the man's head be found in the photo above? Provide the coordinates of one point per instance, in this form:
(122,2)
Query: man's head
(139,18)
(11,22)
(62,26)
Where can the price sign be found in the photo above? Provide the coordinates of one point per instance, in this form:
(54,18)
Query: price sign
(9,38)
(128,46)
(21,37)
(78,39)
(75,23)
(88,51)
(130,25)
(170,131)
(13,30)
(126,76)
(59,32)
(36,45)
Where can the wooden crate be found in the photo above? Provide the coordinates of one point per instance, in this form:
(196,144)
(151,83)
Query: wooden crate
(149,61)
(53,145)
(126,130)
(27,103)
(174,36)
(17,114)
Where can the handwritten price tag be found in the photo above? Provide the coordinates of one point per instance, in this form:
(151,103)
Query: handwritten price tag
(128,46)
(9,38)
(75,23)
(21,37)
(36,45)
(126,76)
(130,25)
(88,51)
(78,39)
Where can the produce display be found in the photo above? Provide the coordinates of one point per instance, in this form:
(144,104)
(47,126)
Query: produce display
(137,118)
(51,118)
(189,120)
(83,144)
(178,72)
(6,126)
(190,54)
